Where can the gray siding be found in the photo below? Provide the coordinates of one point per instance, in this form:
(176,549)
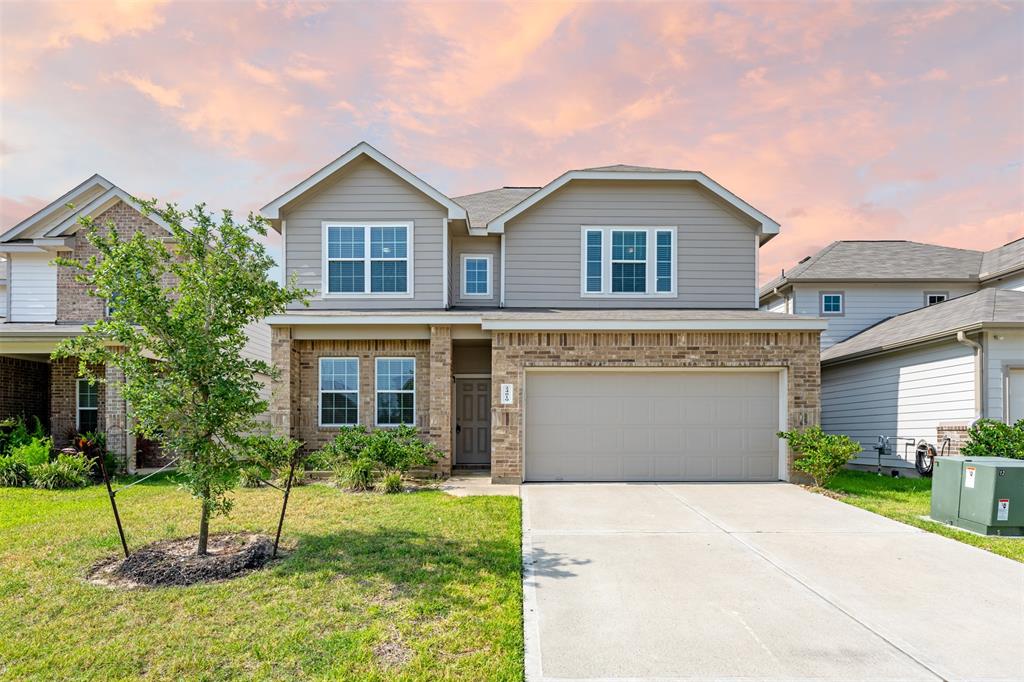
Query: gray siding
(490,245)
(365,191)
(716,245)
(1004,348)
(898,394)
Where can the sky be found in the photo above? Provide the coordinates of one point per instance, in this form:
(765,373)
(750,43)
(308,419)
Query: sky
(839,120)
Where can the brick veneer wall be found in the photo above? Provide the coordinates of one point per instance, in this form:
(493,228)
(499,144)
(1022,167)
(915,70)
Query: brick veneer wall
(74,304)
(513,352)
(957,434)
(64,401)
(24,389)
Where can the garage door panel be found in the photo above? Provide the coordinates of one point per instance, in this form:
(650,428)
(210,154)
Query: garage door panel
(663,426)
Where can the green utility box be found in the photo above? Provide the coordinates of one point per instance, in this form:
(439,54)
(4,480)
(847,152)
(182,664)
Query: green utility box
(981,494)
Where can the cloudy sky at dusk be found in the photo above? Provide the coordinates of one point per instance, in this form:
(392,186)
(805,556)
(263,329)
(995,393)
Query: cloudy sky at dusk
(841,121)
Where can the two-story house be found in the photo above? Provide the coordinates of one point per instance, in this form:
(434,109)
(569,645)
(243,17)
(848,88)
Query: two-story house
(44,304)
(604,326)
(921,339)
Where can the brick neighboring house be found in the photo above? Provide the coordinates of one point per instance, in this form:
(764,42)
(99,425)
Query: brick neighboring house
(602,327)
(45,304)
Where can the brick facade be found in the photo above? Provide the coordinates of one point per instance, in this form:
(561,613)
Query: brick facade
(24,389)
(513,352)
(957,434)
(74,304)
(64,401)
(441,394)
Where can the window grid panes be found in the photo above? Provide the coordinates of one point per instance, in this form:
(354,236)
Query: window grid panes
(936,298)
(367,259)
(88,406)
(477,276)
(664,261)
(832,303)
(594,261)
(629,262)
(339,391)
(396,391)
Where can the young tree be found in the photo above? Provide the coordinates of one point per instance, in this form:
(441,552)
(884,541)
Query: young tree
(177,327)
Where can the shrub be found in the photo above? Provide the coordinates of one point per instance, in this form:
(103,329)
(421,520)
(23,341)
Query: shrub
(399,449)
(357,474)
(93,445)
(252,476)
(272,457)
(34,452)
(391,483)
(993,438)
(15,432)
(13,474)
(67,471)
(821,455)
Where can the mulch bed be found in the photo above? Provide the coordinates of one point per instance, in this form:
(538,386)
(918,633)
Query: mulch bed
(174,562)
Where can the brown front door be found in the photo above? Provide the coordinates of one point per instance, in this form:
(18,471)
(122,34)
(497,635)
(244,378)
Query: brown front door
(472,421)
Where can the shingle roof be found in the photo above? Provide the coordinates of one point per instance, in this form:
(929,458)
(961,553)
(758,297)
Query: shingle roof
(1002,259)
(988,306)
(626,168)
(482,207)
(883,260)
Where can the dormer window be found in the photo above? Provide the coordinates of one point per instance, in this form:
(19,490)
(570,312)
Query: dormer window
(628,261)
(832,303)
(368,259)
(933,297)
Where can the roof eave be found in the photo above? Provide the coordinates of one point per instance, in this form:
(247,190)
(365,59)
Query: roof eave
(58,203)
(930,338)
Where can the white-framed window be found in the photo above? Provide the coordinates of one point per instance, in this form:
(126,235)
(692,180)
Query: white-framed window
(368,259)
(832,303)
(396,391)
(933,297)
(628,261)
(87,417)
(476,275)
(339,392)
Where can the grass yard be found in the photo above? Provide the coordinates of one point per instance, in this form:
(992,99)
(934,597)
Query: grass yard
(908,499)
(411,586)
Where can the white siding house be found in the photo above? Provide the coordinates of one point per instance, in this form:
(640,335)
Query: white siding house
(33,287)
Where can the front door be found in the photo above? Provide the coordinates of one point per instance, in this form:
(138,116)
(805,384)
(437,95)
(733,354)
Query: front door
(472,422)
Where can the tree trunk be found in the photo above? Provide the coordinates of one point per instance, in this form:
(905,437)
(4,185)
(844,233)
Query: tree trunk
(204,530)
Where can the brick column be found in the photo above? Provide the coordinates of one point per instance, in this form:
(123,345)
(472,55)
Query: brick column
(115,417)
(281,387)
(441,393)
(63,374)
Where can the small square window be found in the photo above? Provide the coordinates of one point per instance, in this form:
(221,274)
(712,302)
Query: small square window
(476,275)
(832,304)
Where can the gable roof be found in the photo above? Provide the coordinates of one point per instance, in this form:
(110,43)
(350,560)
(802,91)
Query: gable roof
(984,308)
(483,207)
(1003,260)
(882,260)
(273,209)
(767,227)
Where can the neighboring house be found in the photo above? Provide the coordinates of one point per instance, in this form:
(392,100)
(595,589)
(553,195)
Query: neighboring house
(3,288)
(921,339)
(602,327)
(46,304)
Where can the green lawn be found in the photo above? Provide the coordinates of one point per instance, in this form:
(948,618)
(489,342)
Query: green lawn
(908,499)
(411,586)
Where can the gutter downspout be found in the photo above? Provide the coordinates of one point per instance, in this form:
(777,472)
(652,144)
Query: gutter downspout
(979,367)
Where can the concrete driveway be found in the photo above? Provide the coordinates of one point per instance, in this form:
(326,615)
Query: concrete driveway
(755,581)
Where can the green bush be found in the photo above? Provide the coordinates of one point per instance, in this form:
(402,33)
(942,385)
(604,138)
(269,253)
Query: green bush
(13,474)
(272,458)
(358,474)
(252,476)
(359,457)
(67,471)
(34,452)
(391,483)
(993,438)
(821,455)
(15,432)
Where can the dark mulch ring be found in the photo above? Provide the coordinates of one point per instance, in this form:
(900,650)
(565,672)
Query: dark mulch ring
(174,562)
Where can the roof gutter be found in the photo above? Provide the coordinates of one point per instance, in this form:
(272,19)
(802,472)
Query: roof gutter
(979,373)
(949,333)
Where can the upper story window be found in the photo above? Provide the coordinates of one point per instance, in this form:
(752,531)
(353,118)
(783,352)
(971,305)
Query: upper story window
(368,259)
(88,402)
(628,261)
(933,297)
(476,275)
(832,303)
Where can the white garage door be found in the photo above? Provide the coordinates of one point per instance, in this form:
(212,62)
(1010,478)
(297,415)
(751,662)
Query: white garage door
(652,426)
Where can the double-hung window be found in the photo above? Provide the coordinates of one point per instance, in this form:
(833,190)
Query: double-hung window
(476,275)
(396,391)
(628,261)
(339,391)
(88,415)
(374,259)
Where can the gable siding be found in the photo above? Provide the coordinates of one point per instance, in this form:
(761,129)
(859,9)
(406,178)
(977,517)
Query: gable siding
(33,287)
(898,394)
(867,304)
(366,191)
(490,245)
(715,243)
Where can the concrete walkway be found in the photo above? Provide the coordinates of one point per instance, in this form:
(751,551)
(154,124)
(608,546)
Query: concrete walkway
(755,582)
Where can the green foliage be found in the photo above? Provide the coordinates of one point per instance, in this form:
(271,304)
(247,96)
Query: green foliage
(15,431)
(399,449)
(390,483)
(252,476)
(274,454)
(187,304)
(993,438)
(359,457)
(821,455)
(34,452)
(67,471)
(358,474)
(13,474)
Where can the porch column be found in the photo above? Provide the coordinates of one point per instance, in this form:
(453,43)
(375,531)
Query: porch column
(115,417)
(440,427)
(281,386)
